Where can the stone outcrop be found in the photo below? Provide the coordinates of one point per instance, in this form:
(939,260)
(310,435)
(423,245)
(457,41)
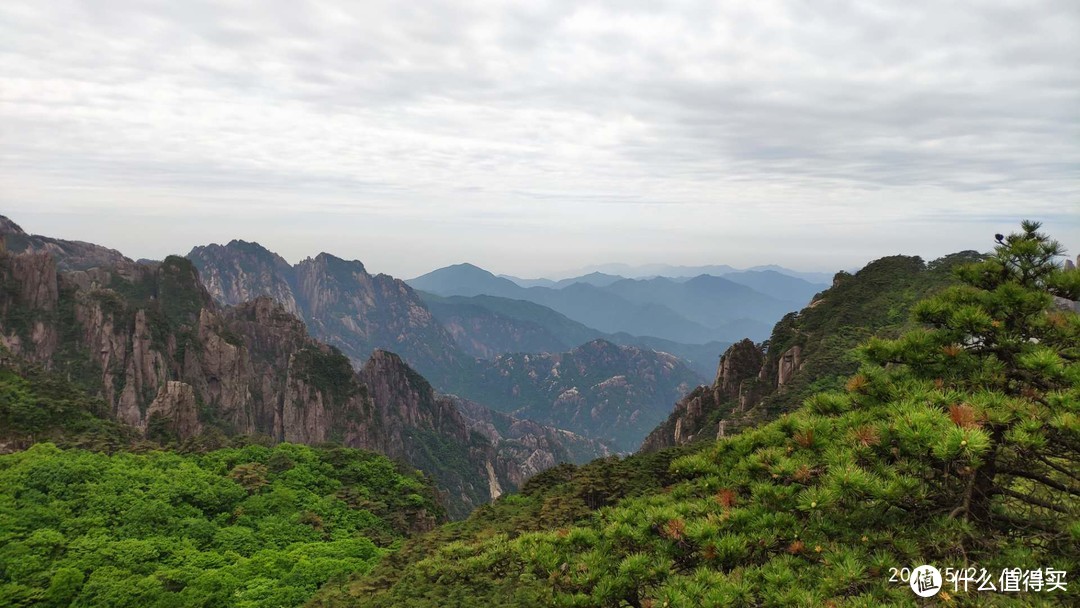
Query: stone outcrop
(341,303)
(746,375)
(68,255)
(174,411)
(172,363)
(790,362)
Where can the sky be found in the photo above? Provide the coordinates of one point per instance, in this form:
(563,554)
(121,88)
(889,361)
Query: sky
(533,138)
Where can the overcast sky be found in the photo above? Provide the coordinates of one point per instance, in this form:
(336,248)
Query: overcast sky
(536,137)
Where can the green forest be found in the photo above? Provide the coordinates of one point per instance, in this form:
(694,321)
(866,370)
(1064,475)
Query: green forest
(247,526)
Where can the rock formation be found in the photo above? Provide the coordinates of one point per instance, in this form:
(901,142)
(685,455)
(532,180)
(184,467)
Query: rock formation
(172,363)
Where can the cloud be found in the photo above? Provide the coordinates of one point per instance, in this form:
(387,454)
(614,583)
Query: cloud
(556,130)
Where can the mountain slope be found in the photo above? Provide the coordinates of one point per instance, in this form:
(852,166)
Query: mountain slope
(808,350)
(69,255)
(600,390)
(486,326)
(341,303)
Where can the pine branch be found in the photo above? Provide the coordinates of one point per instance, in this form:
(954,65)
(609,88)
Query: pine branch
(1046,481)
(1057,467)
(1031,500)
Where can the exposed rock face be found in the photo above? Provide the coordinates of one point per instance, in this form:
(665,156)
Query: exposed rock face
(533,446)
(172,364)
(341,303)
(242,271)
(599,390)
(175,410)
(739,368)
(69,255)
(790,362)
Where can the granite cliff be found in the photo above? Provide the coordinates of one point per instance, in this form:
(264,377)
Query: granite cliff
(341,303)
(170,362)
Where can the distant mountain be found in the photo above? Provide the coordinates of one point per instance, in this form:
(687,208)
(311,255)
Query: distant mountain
(659,307)
(486,326)
(464,280)
(599,390)
(528,282)
(645,271)
(648,271)
(598,279)
(778,285)
(817,278)
(705,300)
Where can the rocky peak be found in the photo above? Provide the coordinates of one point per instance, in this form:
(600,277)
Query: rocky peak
(7,226)
(69,255)
(742,361)
(241,271)
(393,384)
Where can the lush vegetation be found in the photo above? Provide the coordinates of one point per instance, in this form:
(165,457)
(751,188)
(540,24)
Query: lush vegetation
(555,498)
(251,526)
(876,301)
(956,444)
(39,406)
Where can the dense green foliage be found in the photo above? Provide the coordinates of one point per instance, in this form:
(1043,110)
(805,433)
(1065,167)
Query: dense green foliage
(876,301)
(555,498)
(327,370)
(38,406)
(956,445)
(252,526)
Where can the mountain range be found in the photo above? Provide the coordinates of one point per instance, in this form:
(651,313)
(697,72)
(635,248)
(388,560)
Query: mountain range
(674,271)
(357,312)
(696,310)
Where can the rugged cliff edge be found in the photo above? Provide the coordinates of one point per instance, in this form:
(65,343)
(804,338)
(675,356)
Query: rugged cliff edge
(341,303)
(178,367)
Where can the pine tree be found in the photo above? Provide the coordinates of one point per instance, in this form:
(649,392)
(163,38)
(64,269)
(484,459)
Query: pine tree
(1010,356)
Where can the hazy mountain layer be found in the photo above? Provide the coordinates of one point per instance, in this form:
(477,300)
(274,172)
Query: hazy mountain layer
(694,311)
(486,326)
(601,390)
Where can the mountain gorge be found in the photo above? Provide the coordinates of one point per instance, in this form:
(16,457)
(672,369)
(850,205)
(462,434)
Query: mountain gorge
(467,346)
(176,367)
